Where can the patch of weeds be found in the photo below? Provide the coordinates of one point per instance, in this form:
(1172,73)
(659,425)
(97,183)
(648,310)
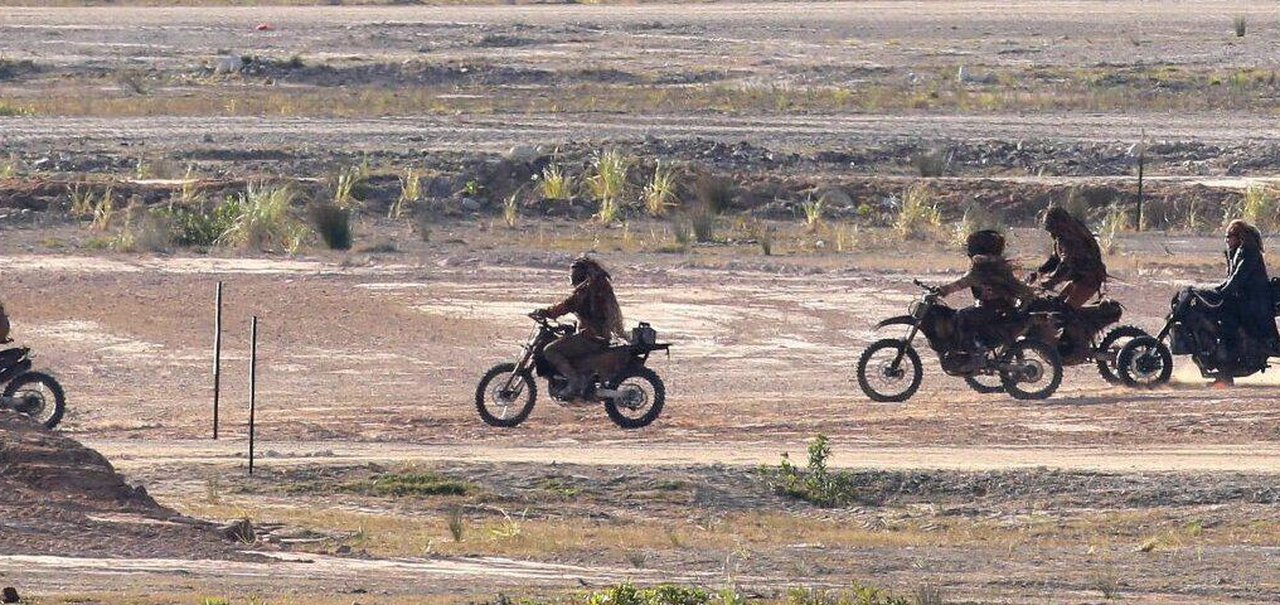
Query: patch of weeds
(928,594)
(1107,583)
(456,523)
(762,234)
(511,210)
(346,187)
(660,192)
(1115,223)
(932,163)
(976,218)
(702,224)
(554,184)
(410,194)
(1261,207)
(215,601)
(103,211)
(918,217)
(409,484)
(638,558)
(812,208)
(213,491)
(1240,24)
(664,594)
(263,219)
(333,224)
(201,227)
(559,488)
(608,185)
(12,110)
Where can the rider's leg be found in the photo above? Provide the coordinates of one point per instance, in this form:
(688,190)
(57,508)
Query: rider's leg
(1080,291)
(565,353)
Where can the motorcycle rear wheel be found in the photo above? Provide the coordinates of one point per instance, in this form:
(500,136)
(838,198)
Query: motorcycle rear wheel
(38,385)
(512,406)
(646,394)
(1039,365)
(873,367)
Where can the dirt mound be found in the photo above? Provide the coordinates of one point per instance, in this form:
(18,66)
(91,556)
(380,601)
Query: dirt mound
(58,497)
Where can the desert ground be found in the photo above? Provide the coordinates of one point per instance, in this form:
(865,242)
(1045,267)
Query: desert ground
(796,135)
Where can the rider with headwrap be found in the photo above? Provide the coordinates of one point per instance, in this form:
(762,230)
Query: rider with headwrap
(1076,259)
(1246,293)
(996,290)
(599,320)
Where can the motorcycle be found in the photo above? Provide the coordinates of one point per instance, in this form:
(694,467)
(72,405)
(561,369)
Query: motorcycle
(1076,338)
(632,394)
(1192,327)
(30,393)
(1028,368)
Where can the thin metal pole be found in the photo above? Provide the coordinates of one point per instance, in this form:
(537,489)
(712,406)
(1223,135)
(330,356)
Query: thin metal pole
(217,358)
(1142,159)
(253,384)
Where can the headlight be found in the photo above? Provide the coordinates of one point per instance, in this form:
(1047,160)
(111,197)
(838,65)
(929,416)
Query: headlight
(916,310)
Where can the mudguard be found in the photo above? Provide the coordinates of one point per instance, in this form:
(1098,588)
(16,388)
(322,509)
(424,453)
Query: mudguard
(903,320)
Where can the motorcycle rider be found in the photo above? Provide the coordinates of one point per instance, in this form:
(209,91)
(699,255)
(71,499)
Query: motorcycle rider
(996,290)
(1246,314)
(1076,259)
(599,319)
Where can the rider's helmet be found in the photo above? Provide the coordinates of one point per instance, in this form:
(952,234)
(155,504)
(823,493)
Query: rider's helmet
(583,268)
(987,242)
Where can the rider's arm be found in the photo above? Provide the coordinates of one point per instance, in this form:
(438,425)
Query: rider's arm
(568,305)
(964,282)
(1235,281)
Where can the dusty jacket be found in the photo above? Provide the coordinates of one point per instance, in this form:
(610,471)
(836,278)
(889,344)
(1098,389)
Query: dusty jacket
(992,281)
(1076,256)
(596,308)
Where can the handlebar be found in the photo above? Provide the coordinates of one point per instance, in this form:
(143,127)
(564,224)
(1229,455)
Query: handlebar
(926,287)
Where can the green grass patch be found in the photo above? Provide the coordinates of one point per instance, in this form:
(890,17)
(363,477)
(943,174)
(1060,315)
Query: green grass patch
(409,484)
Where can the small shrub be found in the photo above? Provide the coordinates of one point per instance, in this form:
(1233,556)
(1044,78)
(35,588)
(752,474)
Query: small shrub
(664,594)
(763,235)
(1240,24)
(103,211)
(933,163)
(608,211)
(713,194)
(554,184)
(660,193)
(702,224)
(918,217)
(333,224)
(10,110)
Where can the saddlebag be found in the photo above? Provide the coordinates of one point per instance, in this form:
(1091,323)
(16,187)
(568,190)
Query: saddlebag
(644,335)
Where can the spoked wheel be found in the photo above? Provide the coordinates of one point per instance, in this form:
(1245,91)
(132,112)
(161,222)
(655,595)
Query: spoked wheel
(504,398)
(39,396)
(890,371)
(1108,352)
(640,400)
(1032,370)
(985,383)
(1144,363)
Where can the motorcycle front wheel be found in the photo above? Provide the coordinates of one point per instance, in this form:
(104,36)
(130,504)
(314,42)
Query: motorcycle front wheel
(883,380)
(1108,352)
(1144,363)
(504,400)
(1032,370)
(640,400)
(39,396)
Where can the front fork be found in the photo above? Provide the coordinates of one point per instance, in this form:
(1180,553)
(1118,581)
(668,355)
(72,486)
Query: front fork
(906,343)
(519,369)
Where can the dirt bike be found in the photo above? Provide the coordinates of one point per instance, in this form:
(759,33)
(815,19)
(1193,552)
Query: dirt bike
(1076,338)
(34,394)
(1028,368)
(632,394)
(1193,327)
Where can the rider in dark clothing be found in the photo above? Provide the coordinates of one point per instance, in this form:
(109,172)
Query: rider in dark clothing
(1246,293)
